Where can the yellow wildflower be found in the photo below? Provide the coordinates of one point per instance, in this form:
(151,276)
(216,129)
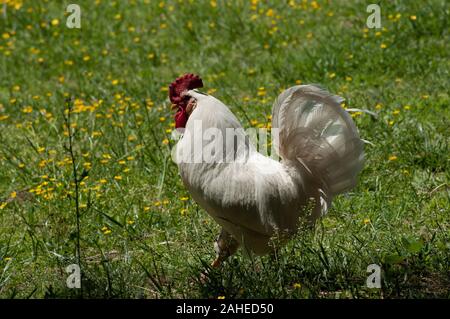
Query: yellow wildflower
(27,109)
(393,158)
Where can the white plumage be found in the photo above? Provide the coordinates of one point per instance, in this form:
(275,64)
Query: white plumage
(254,197)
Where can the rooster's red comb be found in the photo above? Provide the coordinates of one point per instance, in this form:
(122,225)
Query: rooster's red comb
(185,82)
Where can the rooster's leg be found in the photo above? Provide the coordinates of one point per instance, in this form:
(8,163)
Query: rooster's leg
(225,246)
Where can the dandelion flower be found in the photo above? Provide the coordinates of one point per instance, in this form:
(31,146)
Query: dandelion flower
(27,109)
(87,165)
(392,158)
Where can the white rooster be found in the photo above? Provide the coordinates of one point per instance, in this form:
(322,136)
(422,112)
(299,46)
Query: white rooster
(251,196)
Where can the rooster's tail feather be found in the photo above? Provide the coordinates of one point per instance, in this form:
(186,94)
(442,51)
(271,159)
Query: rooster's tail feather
(316,133)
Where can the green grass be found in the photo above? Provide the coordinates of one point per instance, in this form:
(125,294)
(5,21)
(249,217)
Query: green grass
(141,233)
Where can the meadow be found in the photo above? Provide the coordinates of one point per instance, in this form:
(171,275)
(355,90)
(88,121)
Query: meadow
(97,185)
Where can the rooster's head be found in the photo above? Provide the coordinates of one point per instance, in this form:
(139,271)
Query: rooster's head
(183,102)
